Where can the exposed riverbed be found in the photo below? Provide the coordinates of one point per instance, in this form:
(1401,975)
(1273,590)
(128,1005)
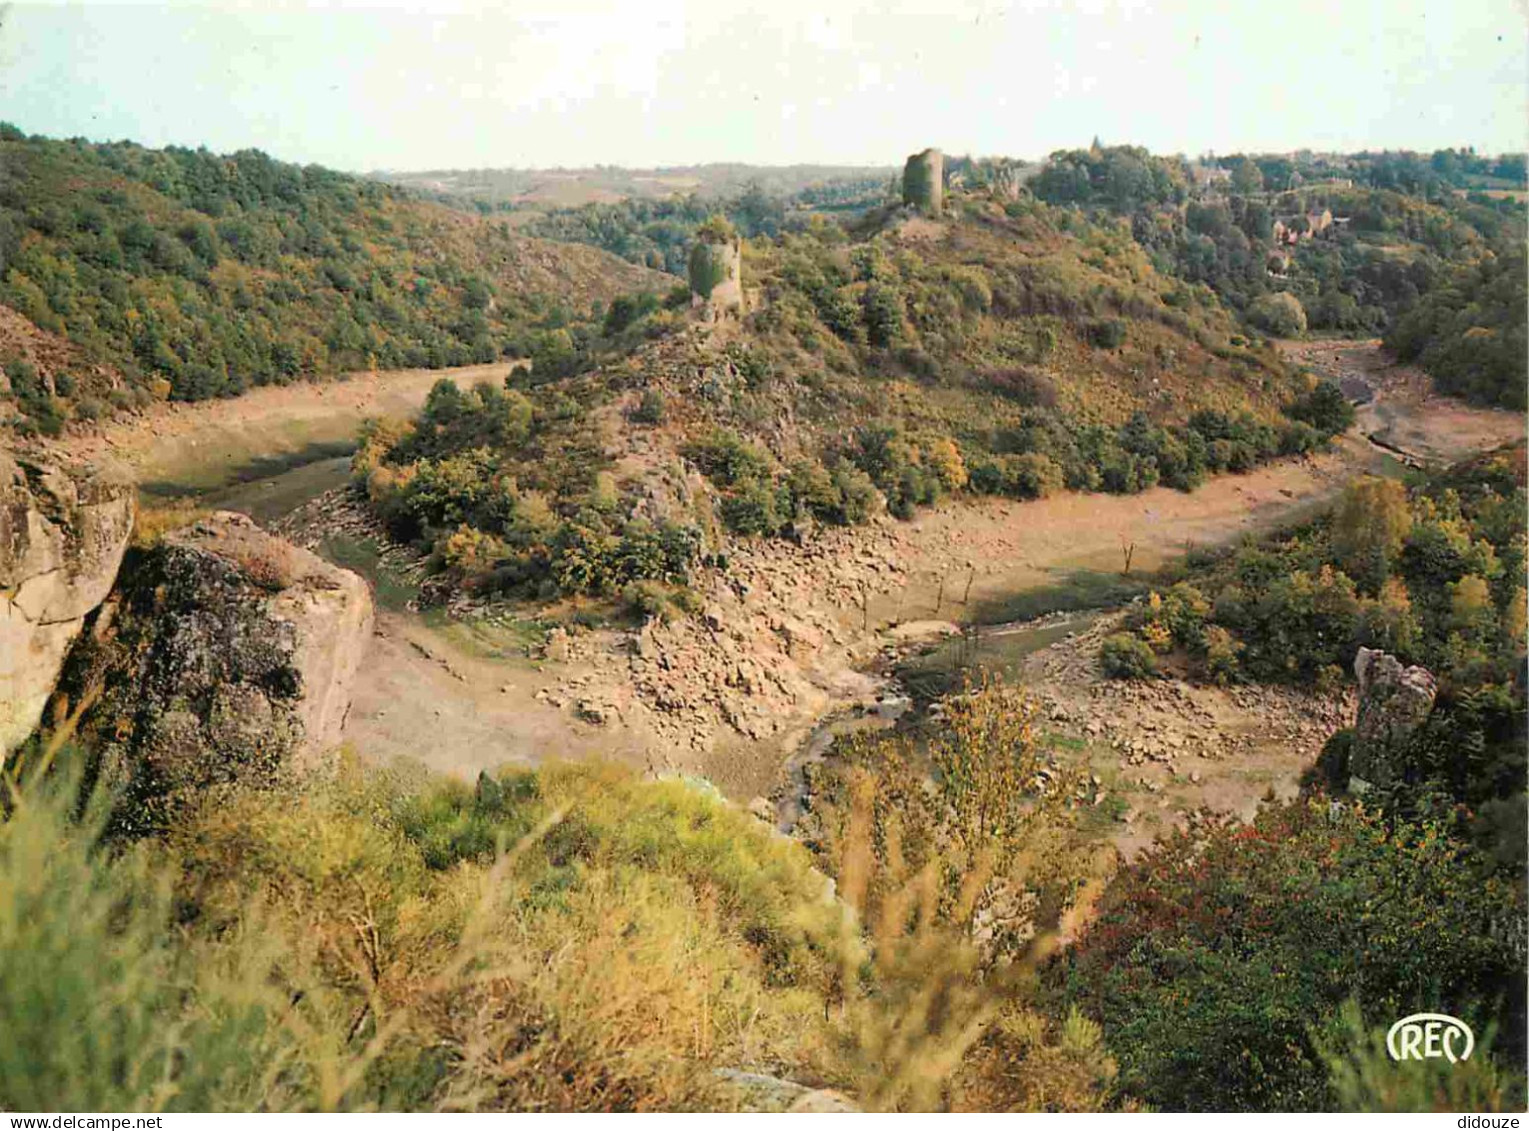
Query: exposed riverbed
(461,697)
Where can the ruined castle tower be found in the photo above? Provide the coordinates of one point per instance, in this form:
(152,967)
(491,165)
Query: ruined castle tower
(716,271)
(924,181)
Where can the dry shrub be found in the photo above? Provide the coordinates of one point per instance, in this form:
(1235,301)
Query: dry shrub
(155,520)
(975,794)
(109,1005)
(622,1001)
(271,566)
(963,879)
(631,941)
(1024,385)
(1027,1062)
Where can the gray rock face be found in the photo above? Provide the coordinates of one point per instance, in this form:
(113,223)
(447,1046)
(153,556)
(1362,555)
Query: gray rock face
(226,656)
(63,531)
(1393,702)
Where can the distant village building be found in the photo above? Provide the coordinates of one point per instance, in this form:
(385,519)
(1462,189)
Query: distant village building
(1209,178)
(1291,230)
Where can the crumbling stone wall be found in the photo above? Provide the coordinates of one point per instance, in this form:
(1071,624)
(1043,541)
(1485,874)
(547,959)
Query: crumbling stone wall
(716,274)
(924,181)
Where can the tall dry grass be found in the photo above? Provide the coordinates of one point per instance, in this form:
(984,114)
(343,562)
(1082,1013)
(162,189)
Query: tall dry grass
(570,939)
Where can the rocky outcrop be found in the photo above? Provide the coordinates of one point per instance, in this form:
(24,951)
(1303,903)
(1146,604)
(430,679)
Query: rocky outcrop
(1393,702)
(63,531)
(924,182)
(226,656)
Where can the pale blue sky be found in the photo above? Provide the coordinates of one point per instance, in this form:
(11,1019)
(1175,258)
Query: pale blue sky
(647,82)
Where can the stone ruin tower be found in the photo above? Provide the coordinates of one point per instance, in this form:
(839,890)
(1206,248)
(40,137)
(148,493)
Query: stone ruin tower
(716,268)
(924,182)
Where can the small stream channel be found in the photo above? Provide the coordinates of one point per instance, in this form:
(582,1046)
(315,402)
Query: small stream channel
(916,675)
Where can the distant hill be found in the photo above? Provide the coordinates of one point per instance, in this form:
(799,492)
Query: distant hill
(543,189)
(1419,248)
(189,274)
(1356,240)
(1006,348)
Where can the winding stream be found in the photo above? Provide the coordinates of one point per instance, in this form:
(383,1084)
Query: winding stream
(283,448)
(995,648)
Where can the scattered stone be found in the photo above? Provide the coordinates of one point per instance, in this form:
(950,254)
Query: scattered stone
(556,648)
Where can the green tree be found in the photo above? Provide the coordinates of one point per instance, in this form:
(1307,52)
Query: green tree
(1218,952)
(1370,527)
(1247,177)
(1279,314)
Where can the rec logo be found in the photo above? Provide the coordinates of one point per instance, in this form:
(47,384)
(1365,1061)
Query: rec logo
(1430,1036)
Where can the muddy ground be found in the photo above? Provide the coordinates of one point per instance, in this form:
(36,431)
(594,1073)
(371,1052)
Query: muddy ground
(210,446)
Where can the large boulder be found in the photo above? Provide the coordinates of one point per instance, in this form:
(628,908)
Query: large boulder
(1394,701)
(63,531)
(226,657)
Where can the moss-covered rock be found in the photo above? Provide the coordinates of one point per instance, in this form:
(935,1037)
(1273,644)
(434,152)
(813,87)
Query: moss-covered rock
(225,657)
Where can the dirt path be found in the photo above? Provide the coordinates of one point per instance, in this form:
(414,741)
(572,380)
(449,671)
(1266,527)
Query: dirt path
(1403,412)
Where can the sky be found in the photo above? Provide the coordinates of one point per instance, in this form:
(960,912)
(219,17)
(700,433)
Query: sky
(428,85)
